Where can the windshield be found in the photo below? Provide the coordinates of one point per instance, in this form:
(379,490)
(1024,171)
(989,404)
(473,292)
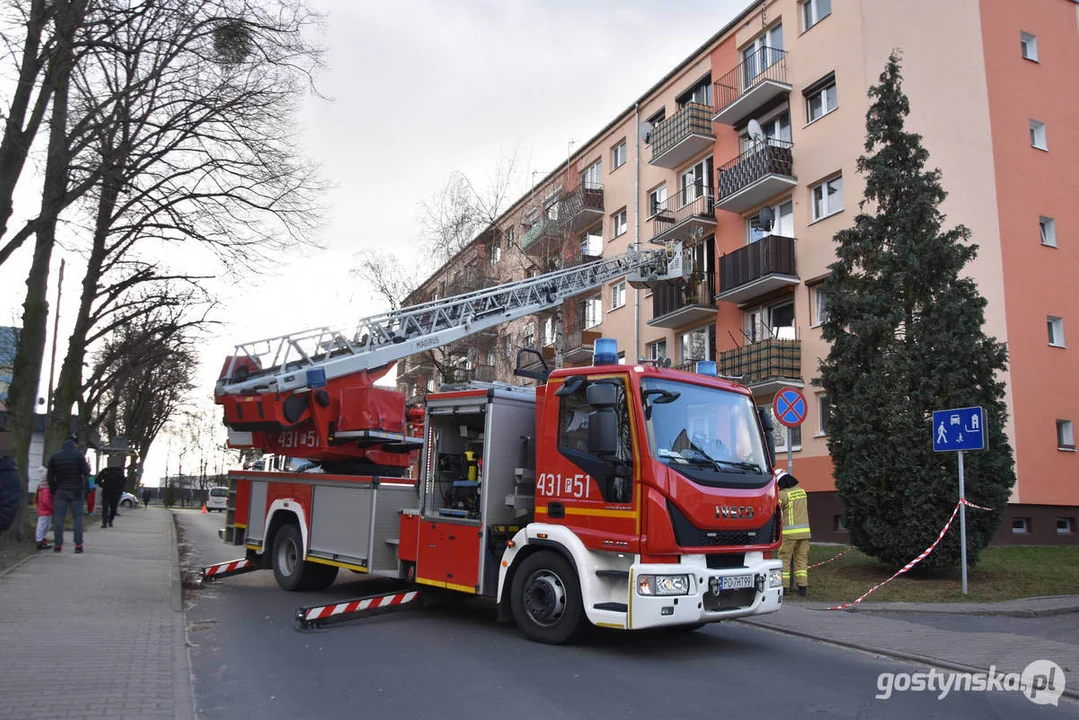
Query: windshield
(219,492)
(712,436)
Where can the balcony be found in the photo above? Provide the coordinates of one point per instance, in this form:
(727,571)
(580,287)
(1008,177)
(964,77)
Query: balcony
(578,345)
(757,269)
(582,207)
(766,366)
(682,136)
(747,89)
(537,240)
(761,172)
(675,306)
(692,221)
(477,373)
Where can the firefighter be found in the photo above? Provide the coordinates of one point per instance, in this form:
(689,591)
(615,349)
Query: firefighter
(792,503)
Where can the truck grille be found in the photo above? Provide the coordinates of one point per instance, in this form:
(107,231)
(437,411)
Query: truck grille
(688,535)
(730,600)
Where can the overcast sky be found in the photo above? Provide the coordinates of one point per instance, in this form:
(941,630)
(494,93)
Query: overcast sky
(419,89)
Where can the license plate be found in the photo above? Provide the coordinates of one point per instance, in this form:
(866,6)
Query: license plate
(736,582)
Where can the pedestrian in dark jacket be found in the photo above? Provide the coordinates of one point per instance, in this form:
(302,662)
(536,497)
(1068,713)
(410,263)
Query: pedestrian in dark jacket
(111,481)
(10,487)
(68,477)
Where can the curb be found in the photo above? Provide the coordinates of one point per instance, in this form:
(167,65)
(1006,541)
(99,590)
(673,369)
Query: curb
(19,564)
(1070,693)
(184,680)
(1048,612)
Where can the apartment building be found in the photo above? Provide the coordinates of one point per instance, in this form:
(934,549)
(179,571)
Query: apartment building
(746,152)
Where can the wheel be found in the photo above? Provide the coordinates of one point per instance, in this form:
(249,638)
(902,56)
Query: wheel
(125,503)
(322,576)
(546,599)
(289,569)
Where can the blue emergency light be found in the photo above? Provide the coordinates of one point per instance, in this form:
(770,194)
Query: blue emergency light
(316,378)
(605,352)
(707,367)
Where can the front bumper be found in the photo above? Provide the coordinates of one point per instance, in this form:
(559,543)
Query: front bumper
(705,601)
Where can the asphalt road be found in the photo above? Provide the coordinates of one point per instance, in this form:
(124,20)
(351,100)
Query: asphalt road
(456,662)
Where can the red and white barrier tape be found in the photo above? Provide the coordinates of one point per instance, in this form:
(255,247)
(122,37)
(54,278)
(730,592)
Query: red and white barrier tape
(915,561)
(834,557)
(226,567)
(326,611)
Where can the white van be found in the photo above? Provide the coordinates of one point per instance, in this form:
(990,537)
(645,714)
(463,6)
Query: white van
(218,499)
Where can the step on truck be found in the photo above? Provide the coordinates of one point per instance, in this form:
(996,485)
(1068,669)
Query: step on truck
(622,496)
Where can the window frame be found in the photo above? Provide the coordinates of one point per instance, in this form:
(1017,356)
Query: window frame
(615,152)
(618,290)
(822,416)
(1047,228)
(615,224)
(823,184)
(1028,41)
(819,90)
(593,301)
(1037,127)
(1055,327)
(651,347)
(1024,526)
(591,180)
(1069,526)
(655,208)
(1065,433)
(818,294)
(812,6)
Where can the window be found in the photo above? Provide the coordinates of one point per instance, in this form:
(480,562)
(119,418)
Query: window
(771,322)
(1048,228)
(1029,43)
(821,98)
(615,485)
(827,198)
(700,93)
(813,11)
(820,306)
(618,155)
(761,54)
(1065,435)
(618,295)
(593,311)
(782,223)
(657,200)
(1065,526)
(694,345)
(592,242)
(551,204)
(496,251)
(528,334)
(619,223)
(1056,330)
(839,524)
(1037,135)
(694,182)
(775,127)
(657,350)
(1020,525)
(824,413)
(510,234)
(592,176)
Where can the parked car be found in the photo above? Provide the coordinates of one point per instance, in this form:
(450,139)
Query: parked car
(128,500)
(218,499)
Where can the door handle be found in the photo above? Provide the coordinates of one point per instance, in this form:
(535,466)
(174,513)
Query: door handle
(556,510)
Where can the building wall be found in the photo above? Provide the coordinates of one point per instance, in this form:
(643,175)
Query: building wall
(1039,281)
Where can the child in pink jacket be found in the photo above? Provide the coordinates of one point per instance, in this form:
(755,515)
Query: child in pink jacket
(44,514)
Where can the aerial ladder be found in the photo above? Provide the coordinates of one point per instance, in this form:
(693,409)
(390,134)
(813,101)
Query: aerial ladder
(312,394)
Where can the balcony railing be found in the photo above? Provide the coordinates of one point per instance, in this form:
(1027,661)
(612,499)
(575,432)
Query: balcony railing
(760,172)
(683,222)
(543,228)
(750,85)
(757,269)
(764,363)
(582,206)
(674,306)
(682,135)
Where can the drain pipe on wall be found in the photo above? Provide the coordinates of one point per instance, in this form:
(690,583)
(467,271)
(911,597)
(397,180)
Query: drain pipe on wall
(637,230)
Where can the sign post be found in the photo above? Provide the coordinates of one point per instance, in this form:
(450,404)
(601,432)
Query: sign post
(960,430)
(789,406)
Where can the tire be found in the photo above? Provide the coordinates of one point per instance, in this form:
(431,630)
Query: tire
(322,576)
(289,569)
(546,599)
(125,503)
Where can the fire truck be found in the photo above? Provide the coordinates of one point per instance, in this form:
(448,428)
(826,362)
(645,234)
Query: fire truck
(624,496)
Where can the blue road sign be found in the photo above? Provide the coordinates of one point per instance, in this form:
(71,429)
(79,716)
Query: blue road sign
(789,407)
(959,429)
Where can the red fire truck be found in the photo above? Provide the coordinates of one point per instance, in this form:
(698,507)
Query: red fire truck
(625,496)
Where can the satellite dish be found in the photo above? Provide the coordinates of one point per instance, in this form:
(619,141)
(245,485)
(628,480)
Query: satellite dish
(766,219)
(755,131)
(666,362)
(646,130)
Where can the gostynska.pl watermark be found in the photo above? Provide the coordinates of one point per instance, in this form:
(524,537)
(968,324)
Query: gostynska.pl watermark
(1042,682)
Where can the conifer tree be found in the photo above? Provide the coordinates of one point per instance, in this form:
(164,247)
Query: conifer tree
(906,338)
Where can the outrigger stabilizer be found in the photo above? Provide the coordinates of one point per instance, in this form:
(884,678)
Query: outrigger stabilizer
(227,569)
(319,615)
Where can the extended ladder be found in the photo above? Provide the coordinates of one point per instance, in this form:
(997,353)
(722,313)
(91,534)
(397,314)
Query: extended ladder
(285,363)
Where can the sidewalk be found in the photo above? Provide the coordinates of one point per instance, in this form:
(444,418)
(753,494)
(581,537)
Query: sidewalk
(99,634)
(974,637)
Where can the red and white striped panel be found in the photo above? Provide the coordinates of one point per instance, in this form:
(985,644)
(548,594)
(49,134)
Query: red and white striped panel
(226,567)
(327,611)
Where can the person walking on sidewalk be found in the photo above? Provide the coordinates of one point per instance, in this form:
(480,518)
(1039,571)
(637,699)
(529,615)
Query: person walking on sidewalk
(10,487)
(792,503)
(146,497)
(111,481)
(44,514)
(69,475)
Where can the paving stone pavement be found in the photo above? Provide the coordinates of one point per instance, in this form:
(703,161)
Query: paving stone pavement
(99,634)
(911,636)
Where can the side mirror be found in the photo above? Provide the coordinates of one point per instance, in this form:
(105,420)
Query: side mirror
(538,373)
(766,419)
(602,431)
(769,436)
(601,395)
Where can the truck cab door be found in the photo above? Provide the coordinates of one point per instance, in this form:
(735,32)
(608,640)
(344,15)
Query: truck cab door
(596,495)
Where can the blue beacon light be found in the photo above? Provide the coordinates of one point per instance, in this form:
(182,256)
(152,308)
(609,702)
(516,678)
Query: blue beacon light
(605,352)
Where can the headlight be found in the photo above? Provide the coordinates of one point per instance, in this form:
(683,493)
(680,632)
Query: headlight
(775,578)
(663,584)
